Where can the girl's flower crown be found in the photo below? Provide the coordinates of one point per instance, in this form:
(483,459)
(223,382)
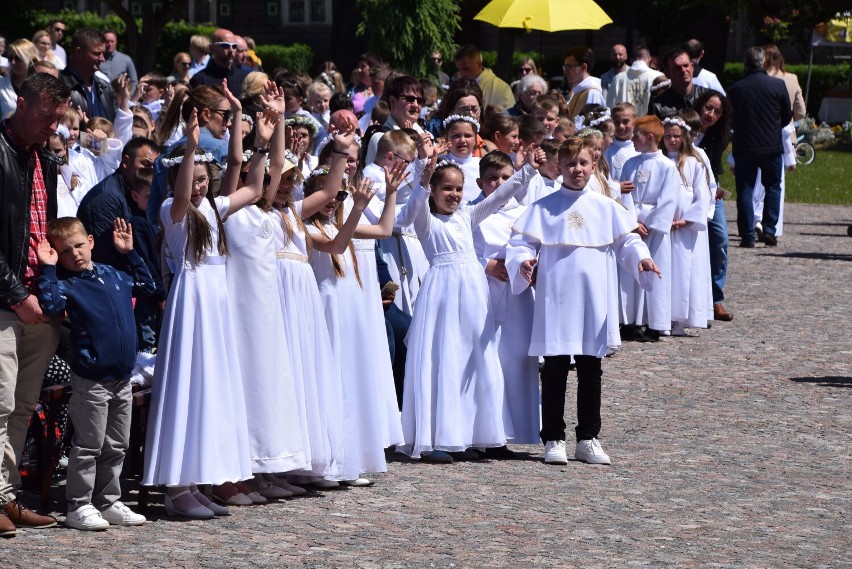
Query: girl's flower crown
(587,132)
(206,158)
(677,122)
(328,80)
(661,85)
(447,164)
(323,171)
(579,122)
(247,154)
(605,116)
(63,131)
(249,119)
(291,157)
(455,118)
(301,120)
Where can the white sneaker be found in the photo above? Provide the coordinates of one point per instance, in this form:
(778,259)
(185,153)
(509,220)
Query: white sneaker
(590,451)
(678,329)
(554,452)
(120,515)
(86,518)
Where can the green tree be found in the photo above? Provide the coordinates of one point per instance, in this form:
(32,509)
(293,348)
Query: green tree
(140,36)
(405,32)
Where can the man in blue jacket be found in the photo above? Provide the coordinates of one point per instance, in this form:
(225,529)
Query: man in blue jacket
(761,110)
(98,299)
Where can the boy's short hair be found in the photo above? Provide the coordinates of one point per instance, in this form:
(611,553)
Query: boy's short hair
(651,125)
(624,107)
(551,147)
(530,129)
(65,227)
(101,123)
(157,80)
(340,101)
(494,160)
(380,112)
(547,103)
(395,141)
(571,147)
(582,54)
(200,42)
(566,125)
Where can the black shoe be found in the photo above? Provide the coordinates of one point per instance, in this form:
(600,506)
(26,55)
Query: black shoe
(500,453)
(469,454)
(770,240)
(747,244)
(650,335)
(630,333)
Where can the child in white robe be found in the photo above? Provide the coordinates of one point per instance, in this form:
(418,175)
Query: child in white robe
(453,394)
(690,269)
(461,131)
(561,244)
(655,197)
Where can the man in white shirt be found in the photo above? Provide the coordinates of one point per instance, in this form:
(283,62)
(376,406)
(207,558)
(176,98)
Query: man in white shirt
(405,99)
(56,29)
(495,91)
(585,89)
(618,57)
(701,76)
(634,86)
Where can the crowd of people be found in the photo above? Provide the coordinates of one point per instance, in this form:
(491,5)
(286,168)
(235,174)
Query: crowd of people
(321,273)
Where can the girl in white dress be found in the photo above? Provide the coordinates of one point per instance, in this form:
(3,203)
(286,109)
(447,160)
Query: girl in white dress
(453,394)
(197,429)
(690,269)
(461,131)
(370,424)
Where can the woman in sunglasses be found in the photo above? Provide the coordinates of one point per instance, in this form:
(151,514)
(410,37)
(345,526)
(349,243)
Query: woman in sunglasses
(22,54)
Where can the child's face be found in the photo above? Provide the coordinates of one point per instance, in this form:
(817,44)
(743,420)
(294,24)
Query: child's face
(493,178)
(550,167)
(352,161)
(447,193)
(672,138)
(152,93)
(507,143)
(75,251)
(56,145)
(285,188)
(595,146)
(73,125)
(608,132)
(644,141)
(462,139)
(577,169)
(623,123)
(292,103)
(140,196)
(200,183)
(550,119)
(319,102)
(303,138)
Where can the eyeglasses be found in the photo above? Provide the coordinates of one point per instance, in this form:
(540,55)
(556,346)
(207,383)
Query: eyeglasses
(469,109)
(567,66)
(411,99)
(407,162)
(266,178)
(227,114)
(225,45)
(705,108)
(200,181)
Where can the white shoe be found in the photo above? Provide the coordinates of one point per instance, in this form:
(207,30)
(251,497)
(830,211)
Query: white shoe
(678,329)
(324,484)
(86,518)
(554,453)
(358,482)
(590,451)
(120,515)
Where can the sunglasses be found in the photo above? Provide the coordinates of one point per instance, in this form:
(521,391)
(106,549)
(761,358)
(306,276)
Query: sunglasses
(404,161)
(341,196)
(266,178)
(470,109)
(411,99)
(526,70)
(226,114)
(438,59)
(225,45)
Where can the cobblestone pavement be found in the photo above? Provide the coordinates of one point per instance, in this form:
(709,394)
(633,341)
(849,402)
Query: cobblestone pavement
(730,448)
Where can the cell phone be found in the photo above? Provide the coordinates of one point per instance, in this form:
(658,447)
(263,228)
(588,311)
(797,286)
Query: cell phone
(91,143)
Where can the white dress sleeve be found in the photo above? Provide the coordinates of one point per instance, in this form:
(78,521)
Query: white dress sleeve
(499,197)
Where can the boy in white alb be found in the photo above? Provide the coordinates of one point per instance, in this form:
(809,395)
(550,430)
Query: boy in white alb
(561,244)
(657,185)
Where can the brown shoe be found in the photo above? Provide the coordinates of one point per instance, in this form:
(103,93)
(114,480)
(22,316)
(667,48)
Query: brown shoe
(7,528)
(719,313)
(22,516)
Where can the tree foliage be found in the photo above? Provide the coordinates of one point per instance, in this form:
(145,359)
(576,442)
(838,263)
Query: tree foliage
(405,32)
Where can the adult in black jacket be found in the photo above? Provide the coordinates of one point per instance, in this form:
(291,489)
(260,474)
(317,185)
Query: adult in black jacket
(222,64)
(28,337)
(683,93)
(761,110)
(93,95)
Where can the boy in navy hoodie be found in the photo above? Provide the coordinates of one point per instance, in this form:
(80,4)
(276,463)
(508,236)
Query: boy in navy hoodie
(98,300)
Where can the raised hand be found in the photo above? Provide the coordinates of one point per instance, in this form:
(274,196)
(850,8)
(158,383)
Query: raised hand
(273,98)
(363,193)
(46,254)
(123,92)
(122,236)
(429,170)
(520,156)
(236,106)
(344,136)
(193,132)
(424,145)
(394,177)
(647,265)
(536,157)
(264,126)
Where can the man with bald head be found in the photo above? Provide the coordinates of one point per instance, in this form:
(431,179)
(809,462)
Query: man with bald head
(223,64)
(618,57)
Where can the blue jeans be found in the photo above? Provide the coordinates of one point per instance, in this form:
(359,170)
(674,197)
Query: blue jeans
(770,176)
(717,229)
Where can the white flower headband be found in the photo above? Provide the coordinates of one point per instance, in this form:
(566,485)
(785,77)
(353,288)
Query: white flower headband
(301,120)
(329,81)
(248,119)
(579,122)
(661,85)
(198,159)
(447,164)
(330,138)
(289,155)
(587,132)
(677,122)
(247,154)
(323,171)
(455,118)
(601,119)
(63,131)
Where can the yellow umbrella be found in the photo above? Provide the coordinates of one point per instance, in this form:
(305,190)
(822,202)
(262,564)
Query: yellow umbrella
(544,15)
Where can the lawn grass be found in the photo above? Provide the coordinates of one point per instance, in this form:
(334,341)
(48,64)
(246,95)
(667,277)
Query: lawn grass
(827,180)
